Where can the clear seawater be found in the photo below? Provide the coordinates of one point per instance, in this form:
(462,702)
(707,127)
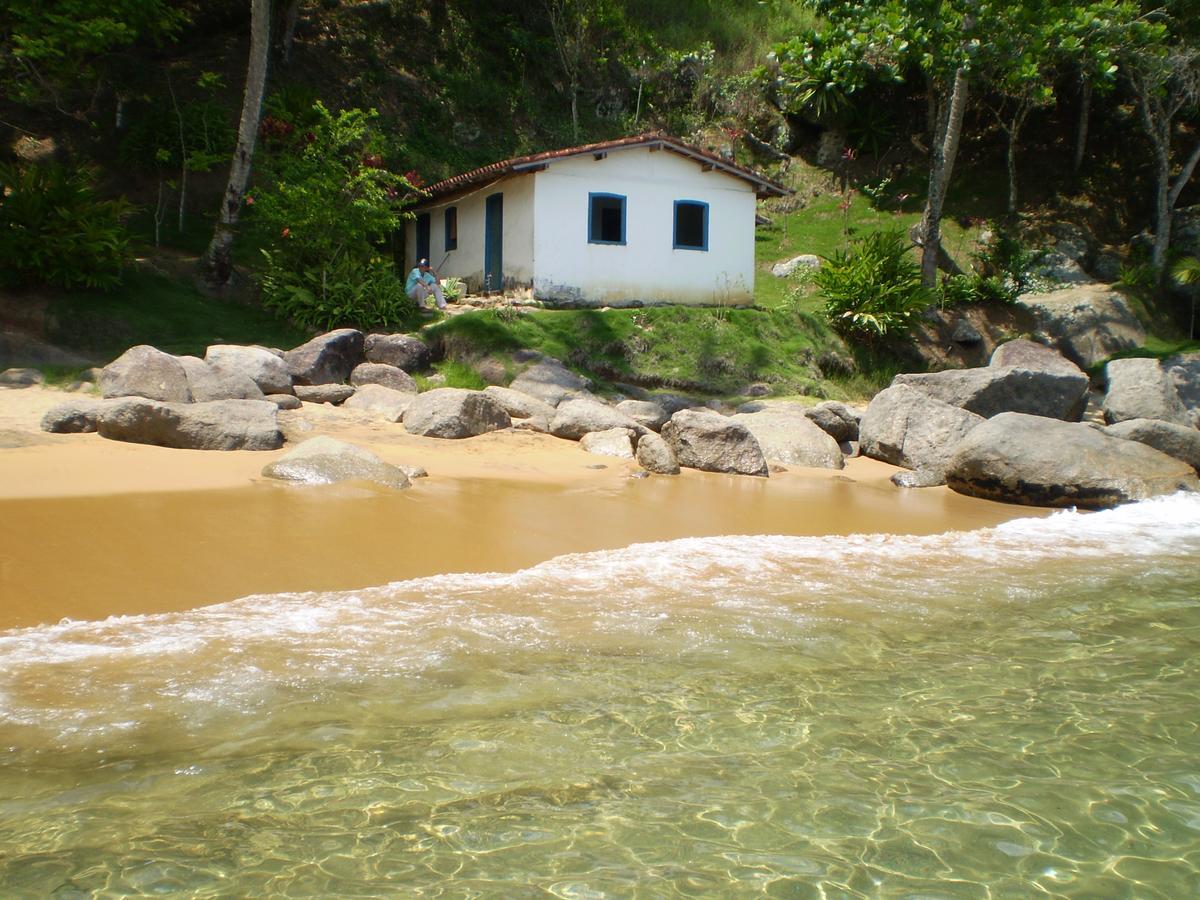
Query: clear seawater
(1003,713)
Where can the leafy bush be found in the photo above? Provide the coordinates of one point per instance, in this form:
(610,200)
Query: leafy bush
(452,288)
(344,292)
(958,290)
(874,288)
(54,230)
(1004,256)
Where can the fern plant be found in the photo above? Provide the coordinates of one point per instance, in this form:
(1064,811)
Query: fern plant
(873,289)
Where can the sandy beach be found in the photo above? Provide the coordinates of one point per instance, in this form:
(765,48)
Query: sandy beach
(91,528)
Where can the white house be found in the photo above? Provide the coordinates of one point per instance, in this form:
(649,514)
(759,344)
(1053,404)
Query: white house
(639,220)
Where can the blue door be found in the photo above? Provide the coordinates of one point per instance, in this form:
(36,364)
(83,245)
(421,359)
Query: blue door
(423,237)
(493,243)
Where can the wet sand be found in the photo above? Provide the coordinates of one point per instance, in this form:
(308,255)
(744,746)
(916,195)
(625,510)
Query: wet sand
(91,528)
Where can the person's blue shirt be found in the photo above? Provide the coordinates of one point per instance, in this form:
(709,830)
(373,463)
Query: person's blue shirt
(417,275)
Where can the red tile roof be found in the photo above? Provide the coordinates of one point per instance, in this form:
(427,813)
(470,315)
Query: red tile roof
(764,187)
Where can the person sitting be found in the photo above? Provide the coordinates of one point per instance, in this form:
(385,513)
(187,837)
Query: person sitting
(423,281)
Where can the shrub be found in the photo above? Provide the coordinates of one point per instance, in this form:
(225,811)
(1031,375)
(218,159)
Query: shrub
(957,290)
(874,288)
(55,231)
(1004,256)
(344,292)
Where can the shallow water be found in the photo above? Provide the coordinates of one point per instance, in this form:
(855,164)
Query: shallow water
(1007,712)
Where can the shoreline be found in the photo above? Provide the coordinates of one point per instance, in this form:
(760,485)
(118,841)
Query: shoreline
(91,528)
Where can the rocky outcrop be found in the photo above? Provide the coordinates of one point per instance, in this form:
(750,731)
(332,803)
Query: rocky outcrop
(333,394)
(260,365)
(78,416)
(712,442)
(327,358)
(908,428)
(616,442)
(207,382)
(216,425)
(400,350)
(991,390)
(1087,324)
(383,402)
(655,455)
(1179,441)
(836,419)
(1017,458)
(575,418)
(1142,389)
(382,373)
(520,406)
(1023,354)
(144,371)
(324,460)
(454,413)
(645,412)
(790,437)
(550,381)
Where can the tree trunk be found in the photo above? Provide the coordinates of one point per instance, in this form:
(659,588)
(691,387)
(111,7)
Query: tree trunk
(217,262)
(1081,130)
(575,111)
(941,167)
(1162,213)
(1014,134)
(291,16)
(182,195)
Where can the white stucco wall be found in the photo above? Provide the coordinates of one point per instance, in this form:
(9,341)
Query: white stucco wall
(646,268)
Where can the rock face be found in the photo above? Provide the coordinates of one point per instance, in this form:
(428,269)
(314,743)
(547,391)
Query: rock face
(1023,354)
(333,394)
(77,416)
(712,442)
(550,381)
(387,404)
(261,366)
(454,413)
(791,438)
(520,406)
(400,350)
(575,418)
(616,442)
(210,383)
(1185,375)
(217,425)
(1016,458)
(1142,389)
(144,371)
(991,390)
(645,412)
(327,358)
(1087,323)
(908,428)
(324,460)
(381,373)
(655,455)
(1179,441)
(837,420)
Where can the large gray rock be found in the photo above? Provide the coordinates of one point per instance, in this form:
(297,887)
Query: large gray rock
(575,418)
(616,442)
(792,438)
(1024,354)
(333,394)
(381,373)
(327,358)
(216,425)
(1016,458)
(144,371)
(645,412)
(385,403)
(1060,268)
(284,401)
(550,381)
(712,442)
(454,413)
(324,460)
(1088,323)
(21,378)
(991,390)
(836,419)
(1142,389)
(75,416)
(1178,441)
(210,383)
(400,350)
(908,428)
(520,406)
(789,267)
(1184,371)
(258,364)
(655,455)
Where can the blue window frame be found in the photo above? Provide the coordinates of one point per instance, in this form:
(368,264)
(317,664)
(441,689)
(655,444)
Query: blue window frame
(691,225)
(451,228)
(606,219)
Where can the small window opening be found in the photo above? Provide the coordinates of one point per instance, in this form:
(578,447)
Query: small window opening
(451,228)
(606,221)
(691,225)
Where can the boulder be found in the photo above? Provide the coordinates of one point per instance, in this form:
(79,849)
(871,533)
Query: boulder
(210,383)
(789,267)
(1032,460)
(1060,268)
(284,401)
(386,403)
(616,442)
(991,390)
(21,378)
(539,423)
(550,381)
(518,405)
(712,442)
(1142,389)
(327,358)
(1178,441)
(381,373)
(673,403)
(575,418)
(78,416)
(454,413)
(260,365)
(655,455)
(400,350)
(836,419)
(645,412)
(144,371)
(792,438)
(1088,323)
(1023,354)
(1184,371)
(917,478)
(215,425)
(333,394)
(908,428)
(324,460)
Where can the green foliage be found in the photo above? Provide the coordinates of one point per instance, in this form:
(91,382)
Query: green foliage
(1186,270)
(452,288)
(959,290)
(55,231)
(460,375)
(199,136)
(343,292)
(1003,255)
(874,288)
